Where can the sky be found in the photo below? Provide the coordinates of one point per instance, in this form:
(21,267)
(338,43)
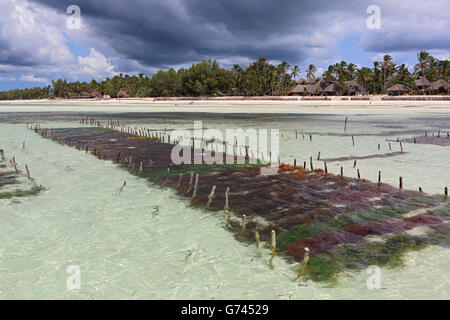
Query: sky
(41,40)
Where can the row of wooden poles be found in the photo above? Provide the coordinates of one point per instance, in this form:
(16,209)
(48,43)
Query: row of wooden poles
(161,136)
(357,172)
(193,187)
(113,125)
(193,181)
(14,163)
(148,133)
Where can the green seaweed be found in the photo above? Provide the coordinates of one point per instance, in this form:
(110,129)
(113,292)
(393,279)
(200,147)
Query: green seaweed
(295,233)
(323,268)
(387,253)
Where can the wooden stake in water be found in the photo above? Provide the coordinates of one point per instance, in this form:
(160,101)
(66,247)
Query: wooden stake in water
(167,176)
(345,125)
(2,154)
(326,169)
(353,140)
(273,237)
(28,172)
(179,181)
(379,177)
(257,237)
(123,186)
(401,147)
(318,156)
(191,180)
(359,176)
(304,264)
(400,182)
(244,222)
(446,192)
(210,197)
(354,164)
(194,195)
(311,164)
(226,207)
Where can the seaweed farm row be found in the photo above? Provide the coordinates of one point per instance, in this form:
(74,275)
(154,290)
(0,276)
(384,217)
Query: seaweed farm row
(326,222)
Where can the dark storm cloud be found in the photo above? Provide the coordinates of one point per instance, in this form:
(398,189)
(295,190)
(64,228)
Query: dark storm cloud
(163,33)
(159,33)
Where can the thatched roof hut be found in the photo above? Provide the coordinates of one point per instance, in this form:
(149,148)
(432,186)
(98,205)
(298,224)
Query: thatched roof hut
(422,83)
(122,94)
(301,90)
(354,88)
(319,87)
(440,84)
(323,87)
(331,89)
(397,89)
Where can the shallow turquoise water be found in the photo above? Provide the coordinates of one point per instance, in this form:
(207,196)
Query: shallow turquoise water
(147,243)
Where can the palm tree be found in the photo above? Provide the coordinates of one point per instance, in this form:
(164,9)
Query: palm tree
(376,78)
(403,75)
(311,71)
(424,62)
(364,75)
(341,70)
(351,69)
(444,69)
(387,61)
(295,72)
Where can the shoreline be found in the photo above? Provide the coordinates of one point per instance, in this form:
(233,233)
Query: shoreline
(226,105)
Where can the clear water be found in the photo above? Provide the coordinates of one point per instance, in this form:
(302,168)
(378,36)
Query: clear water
(147,243)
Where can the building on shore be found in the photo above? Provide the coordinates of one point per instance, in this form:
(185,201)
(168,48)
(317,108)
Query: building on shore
(398,89)
(331,88)
(423,84)
(439,86)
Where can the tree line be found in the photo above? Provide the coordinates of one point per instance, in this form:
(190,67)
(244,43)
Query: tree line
(207,78)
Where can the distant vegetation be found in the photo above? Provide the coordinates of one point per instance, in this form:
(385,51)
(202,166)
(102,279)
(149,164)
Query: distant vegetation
(207,78)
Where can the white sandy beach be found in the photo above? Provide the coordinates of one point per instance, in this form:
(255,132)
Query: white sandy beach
(222,105)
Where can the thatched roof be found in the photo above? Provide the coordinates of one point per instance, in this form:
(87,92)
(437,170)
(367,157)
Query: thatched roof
(423,82)
(300,88)
(440,84)
(331,88)
(319,86)
(122,94)
(399,87)
(354,86)
(323,86)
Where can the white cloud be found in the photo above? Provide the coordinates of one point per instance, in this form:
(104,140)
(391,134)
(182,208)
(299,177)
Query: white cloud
(32,41)
(32,78)
(27,78)
(96,65)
